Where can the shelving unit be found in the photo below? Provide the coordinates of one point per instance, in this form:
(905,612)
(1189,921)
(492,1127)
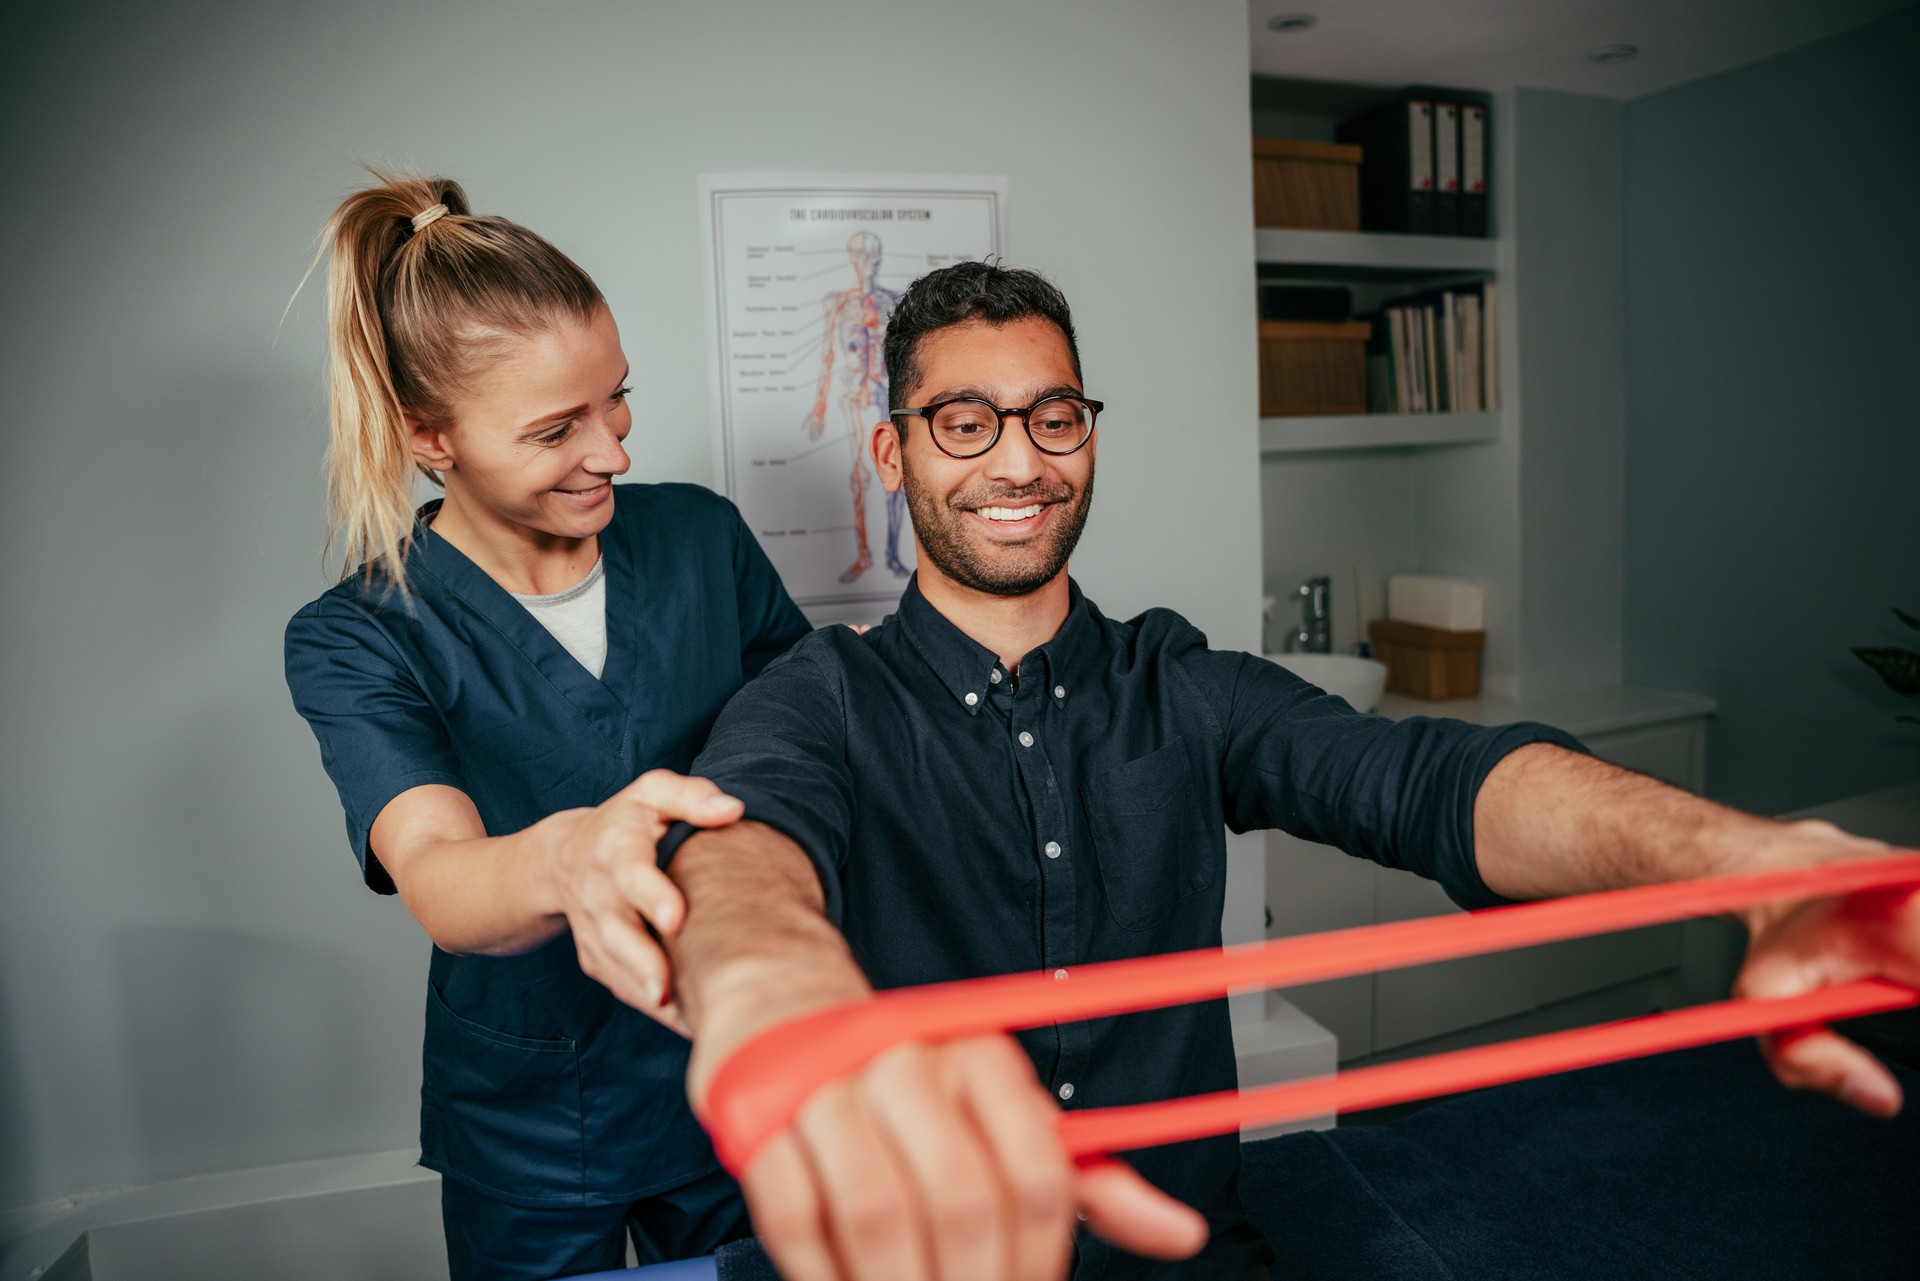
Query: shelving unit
(1386,262)
(1374,255)
(1315,434)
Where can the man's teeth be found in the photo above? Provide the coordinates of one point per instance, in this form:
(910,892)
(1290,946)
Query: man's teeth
(1011,513)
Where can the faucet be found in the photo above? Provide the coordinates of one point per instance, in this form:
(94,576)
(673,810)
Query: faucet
(1314,635)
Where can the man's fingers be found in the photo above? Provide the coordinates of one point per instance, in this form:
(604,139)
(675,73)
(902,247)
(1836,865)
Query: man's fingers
(1134,1215)
(961,1196)
(651,893)
(676,796)
(786,1209)
(1016,1117)
(1822,1060)
(872,1215)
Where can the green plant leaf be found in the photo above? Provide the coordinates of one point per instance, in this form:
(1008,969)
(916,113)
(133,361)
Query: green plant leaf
(1906,618)
(1899,668)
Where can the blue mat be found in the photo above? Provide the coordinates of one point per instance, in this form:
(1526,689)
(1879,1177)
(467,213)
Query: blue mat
(1694,1166)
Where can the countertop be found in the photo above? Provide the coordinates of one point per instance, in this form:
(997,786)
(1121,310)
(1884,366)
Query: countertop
(1581,712)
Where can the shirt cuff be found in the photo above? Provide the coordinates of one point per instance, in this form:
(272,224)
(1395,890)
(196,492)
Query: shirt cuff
(677,834)
(1465,887)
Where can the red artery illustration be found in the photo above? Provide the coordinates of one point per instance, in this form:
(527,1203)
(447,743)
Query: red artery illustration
(757,1092)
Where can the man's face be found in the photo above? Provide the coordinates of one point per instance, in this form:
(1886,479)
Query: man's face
(1004,522)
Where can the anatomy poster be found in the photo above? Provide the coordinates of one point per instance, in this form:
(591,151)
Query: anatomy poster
(805,272)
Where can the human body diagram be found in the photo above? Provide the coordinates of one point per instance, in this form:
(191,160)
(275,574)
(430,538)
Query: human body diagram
(855,329)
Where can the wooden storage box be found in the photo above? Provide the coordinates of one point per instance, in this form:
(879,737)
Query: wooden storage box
(1306,184)
(1426,662)
(1313,367)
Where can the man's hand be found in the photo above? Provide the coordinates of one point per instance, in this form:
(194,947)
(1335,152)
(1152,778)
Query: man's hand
(1801,947)
(942,1163)
(931,1163)
(602,869)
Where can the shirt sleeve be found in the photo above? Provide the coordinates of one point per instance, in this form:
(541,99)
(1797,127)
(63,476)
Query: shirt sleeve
(770,622)
(1398,792)
(378,734)
(780,746)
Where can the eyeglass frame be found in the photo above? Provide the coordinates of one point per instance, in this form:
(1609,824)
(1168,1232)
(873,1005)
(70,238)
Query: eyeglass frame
(1095,409)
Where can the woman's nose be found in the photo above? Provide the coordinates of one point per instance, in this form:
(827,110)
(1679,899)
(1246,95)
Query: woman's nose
(606,455)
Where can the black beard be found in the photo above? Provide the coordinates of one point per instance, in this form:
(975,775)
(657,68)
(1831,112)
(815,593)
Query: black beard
(939,525)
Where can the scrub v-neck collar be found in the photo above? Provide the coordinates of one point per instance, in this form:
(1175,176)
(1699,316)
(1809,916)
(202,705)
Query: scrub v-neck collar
(594,698)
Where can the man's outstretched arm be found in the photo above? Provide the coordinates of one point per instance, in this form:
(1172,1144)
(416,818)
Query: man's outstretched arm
(1549,822)
(931,1162)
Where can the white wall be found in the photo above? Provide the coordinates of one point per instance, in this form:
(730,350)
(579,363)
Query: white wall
(191,978)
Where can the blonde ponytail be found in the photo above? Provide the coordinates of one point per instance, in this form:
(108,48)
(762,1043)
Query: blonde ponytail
(419,290)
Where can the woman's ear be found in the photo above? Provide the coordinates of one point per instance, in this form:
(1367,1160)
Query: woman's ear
(429,444)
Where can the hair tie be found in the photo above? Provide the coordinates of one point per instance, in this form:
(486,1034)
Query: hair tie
(428,216)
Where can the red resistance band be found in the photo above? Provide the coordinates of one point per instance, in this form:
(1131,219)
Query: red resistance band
(759,1089)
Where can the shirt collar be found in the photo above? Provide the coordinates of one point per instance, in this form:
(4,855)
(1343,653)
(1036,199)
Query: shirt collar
(966,667)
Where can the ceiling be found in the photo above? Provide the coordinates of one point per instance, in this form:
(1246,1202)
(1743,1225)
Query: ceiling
(1543,44)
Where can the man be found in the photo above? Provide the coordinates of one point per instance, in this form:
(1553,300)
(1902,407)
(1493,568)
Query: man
(998,778)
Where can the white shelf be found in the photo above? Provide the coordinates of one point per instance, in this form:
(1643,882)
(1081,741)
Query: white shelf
(1375,431)
(1373,253)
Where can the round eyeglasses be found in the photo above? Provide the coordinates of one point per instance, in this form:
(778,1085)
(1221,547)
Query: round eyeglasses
(969,427)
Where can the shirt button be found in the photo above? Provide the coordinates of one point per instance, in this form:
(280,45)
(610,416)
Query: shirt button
(994,676)
(1026,739)
(1059,691)
(1053,849)
(1059,976)
(1066,1090)
(972,698)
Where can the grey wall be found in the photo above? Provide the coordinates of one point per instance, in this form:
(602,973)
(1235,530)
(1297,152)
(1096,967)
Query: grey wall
(1772,514)
(191,978)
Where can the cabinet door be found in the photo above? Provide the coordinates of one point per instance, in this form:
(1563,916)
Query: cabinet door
(1431,1000)
(1674,754)
(1311,888)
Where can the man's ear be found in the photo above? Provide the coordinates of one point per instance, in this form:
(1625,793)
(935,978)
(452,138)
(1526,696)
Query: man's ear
(427,443)
(885,447)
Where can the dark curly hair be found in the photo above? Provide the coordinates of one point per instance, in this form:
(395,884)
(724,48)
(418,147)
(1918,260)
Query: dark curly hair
(967,291)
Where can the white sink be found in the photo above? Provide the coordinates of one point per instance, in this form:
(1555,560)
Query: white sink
(1358,680)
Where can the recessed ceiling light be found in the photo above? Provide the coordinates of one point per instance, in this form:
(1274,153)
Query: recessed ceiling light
(1288,23)
(1613,53)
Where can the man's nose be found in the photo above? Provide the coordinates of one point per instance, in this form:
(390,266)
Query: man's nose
(1013,458)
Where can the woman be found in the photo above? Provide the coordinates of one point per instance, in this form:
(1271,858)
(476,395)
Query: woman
(486,686)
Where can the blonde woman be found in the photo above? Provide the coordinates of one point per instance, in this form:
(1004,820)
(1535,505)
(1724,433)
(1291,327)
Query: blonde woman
(487,682)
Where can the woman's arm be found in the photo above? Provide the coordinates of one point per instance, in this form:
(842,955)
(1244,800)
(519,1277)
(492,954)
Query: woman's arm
(588,870)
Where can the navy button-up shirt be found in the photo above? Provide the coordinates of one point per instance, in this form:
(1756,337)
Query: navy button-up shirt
(968,820)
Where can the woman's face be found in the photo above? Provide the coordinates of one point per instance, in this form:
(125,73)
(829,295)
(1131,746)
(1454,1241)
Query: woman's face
(534,442)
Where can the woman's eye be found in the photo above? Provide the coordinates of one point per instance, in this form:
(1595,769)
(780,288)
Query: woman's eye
(557,435)
(623,393)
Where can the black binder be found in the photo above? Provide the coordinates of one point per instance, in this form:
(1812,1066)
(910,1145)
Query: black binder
(1446,167)
(1396,168)
(1476,144)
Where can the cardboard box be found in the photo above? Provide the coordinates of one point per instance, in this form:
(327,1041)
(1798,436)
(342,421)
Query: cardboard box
(1306,184)
(1313,367)
(1426,662)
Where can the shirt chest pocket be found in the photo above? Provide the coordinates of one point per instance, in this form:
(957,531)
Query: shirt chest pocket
(1149,836)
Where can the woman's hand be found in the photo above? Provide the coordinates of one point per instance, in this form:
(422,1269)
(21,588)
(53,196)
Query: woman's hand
(602,868)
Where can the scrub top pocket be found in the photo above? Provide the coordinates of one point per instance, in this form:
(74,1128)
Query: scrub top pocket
(1152,849)
(502,1113)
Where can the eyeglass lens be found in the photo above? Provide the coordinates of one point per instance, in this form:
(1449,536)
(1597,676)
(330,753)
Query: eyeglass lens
(966,427)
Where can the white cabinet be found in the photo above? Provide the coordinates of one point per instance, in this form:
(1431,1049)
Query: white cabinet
(1315,887)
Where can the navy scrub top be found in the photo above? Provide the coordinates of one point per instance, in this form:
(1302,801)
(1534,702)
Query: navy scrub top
(540,1088)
